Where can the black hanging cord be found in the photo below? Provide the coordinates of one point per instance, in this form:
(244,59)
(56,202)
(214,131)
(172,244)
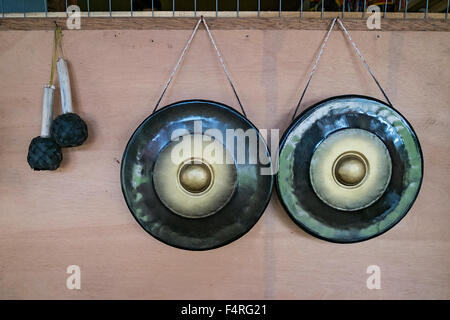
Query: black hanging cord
(320,54)
(201,20)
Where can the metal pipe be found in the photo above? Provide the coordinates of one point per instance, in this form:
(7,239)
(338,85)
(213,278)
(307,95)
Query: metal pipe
(446,13)
(385,9)
(301,8)
(343,9)
(406,10)
(321,13)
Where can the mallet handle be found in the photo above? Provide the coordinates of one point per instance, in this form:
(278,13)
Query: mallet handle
(47,111)
(64,85)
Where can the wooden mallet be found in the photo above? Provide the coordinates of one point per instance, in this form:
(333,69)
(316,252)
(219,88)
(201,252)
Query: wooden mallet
(68,129)
(44,153)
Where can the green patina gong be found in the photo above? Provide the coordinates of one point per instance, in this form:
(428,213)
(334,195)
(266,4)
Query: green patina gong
(196,200)
(350,168)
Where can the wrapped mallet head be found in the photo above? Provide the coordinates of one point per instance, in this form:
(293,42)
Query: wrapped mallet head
(68,129)
(44,153)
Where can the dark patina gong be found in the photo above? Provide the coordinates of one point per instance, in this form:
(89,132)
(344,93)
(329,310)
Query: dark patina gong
(240,211)
(304,137)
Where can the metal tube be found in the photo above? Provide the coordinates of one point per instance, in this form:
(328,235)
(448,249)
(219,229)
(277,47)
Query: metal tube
(153,8)
(67,12)
(343,9)
(45,8)
(195,8)
(259,8)
(173,8)
(110,10)
(301,8)
(279,9)
(24,11)
(89,10)
(385,9)
(406,10)
(426,10)
(446,13)
(321,13)
(237,8)
(131,7)
(217,8)
(364,9)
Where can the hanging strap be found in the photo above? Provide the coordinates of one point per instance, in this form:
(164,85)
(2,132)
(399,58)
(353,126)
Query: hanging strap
(57,40)
(363,60)
(320,54)
(324,43)
(178,63)
(201,20)
(224,67)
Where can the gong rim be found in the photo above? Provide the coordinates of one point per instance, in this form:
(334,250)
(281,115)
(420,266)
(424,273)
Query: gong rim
(296,122)
(255,216)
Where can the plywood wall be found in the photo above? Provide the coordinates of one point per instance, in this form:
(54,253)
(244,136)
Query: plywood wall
(77,215)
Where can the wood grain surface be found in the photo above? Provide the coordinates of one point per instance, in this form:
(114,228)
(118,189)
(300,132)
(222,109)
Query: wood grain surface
(397,23)
(77,215)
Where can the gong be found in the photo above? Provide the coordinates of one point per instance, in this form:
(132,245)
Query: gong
(350,168)
(191,175)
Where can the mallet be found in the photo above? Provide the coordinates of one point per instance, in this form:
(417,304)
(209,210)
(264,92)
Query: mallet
(68,129)
(44,153)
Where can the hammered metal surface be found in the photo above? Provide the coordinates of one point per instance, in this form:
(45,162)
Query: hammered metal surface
(247,204)
(220,165)
(375,161)
(307,132)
